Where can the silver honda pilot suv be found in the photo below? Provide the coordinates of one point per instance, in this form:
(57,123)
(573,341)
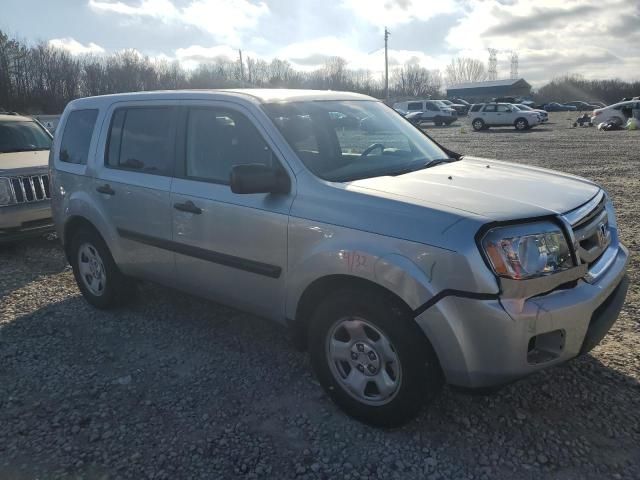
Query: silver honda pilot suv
(399,264)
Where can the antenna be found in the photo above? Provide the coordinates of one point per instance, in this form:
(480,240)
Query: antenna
(514,64)
(493,63)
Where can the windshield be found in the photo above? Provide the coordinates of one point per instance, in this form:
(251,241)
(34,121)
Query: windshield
(440,103)
(523,107)
(16,136)
(370,140)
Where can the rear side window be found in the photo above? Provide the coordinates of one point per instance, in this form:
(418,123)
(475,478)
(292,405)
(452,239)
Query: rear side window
(476,108)
(77,136)
(143,140)
(414,106)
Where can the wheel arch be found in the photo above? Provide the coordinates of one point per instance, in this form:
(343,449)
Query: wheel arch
(322,287)
(72,225)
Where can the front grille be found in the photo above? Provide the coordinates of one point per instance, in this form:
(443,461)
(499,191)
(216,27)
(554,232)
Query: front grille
(31,188)
(592,234)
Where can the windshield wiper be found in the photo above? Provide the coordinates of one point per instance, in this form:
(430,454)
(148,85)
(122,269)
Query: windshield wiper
(438,161)
(14,150)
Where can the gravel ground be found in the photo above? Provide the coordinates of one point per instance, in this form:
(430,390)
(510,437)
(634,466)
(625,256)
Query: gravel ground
(176,387)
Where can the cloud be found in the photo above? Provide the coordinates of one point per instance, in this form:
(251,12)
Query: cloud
(552,38)
(76,48)
(223,19)
(539,19)
(391,13)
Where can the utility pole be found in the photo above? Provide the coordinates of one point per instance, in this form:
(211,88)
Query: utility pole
(386,65)
(241,66)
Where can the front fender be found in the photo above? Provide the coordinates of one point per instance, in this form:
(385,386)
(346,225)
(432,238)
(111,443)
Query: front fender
(320,250)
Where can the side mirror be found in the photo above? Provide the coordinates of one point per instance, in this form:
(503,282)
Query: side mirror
(258,178)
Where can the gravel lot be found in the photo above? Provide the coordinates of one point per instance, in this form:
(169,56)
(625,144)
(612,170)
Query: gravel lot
(177,387)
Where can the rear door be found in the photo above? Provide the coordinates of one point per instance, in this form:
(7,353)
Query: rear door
(133,186)
(230,247)
(489,114)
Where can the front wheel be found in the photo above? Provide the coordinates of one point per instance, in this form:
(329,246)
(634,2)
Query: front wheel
(371,357)
(521,124)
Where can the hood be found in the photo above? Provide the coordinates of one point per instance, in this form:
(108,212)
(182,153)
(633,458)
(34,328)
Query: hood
(493,189)
(38,160)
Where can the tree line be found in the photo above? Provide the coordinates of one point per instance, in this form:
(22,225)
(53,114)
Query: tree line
(41,78)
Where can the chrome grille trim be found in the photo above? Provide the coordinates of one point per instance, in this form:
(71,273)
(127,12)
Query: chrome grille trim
(592,236)
(28,189)
(581,213)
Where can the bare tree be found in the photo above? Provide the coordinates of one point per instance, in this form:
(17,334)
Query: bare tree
(464,70)
(412,80)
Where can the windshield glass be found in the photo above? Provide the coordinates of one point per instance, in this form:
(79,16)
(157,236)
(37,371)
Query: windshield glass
(22,136)
(369,140)
(440,103)
(523,107)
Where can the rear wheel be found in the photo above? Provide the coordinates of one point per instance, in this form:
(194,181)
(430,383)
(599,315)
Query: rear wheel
(521,124)
(371,357)
(98,277)
(478,124)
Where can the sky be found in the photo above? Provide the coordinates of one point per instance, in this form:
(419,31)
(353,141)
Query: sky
(593,38)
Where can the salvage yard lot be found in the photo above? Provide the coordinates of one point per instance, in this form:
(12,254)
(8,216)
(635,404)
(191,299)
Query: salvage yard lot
(177,387)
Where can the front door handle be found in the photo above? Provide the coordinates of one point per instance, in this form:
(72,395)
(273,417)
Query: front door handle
(106,189)
(188,206)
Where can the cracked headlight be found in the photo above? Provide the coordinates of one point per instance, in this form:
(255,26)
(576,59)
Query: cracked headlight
(527,250)
(6,197)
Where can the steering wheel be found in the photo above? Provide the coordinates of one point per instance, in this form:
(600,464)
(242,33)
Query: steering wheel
(371,148)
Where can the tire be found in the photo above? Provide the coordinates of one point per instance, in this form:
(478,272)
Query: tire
(358,334)
(521,124)
(478,124)
(96,273)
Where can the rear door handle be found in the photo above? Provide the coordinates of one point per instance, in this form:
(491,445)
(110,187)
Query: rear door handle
(106,189)
(188,206)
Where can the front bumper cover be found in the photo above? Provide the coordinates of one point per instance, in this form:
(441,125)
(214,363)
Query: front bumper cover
(483,343)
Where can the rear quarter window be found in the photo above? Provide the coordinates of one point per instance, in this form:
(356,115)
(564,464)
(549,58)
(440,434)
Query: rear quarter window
(414,106)
(476,108)
(76,138)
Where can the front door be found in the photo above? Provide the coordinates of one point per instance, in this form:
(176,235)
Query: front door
(230,247)
(133,187)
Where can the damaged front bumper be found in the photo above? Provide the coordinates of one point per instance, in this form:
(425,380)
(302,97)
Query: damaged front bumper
(488,342)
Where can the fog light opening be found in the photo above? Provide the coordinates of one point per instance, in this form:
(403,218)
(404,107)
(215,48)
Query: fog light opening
(545,347)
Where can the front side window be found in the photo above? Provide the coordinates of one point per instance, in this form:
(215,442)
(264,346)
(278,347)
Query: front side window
(414,106)
(77,135)
(376,142)
(432,106)
(23,136)
(217,140)
(504,108)
(142,139)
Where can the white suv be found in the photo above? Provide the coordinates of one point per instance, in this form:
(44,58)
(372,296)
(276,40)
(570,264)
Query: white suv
(487,115)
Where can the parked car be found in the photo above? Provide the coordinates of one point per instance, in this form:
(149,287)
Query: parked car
(598,104)
(487,115)
(544,116)
(619,112)
(423,111)
(25,208)
(398,263)
(582,106)
(460,108)
(559,107)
